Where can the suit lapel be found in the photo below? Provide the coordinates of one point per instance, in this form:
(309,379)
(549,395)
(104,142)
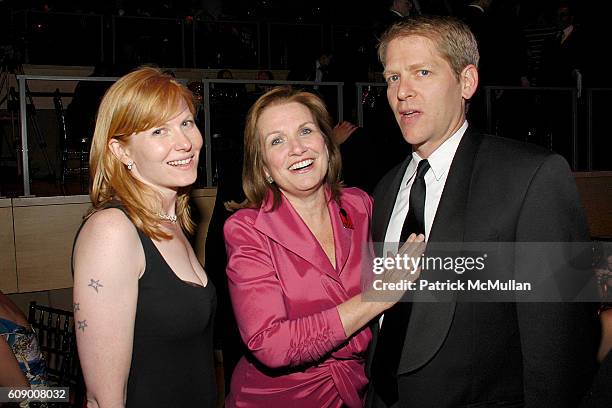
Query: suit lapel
(384,201)
(430,321)
(285,226)
(448,225)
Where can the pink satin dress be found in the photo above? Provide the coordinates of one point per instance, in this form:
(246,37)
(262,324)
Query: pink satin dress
(284,292)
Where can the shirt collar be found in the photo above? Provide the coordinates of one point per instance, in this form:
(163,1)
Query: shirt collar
(566,32)
(440,160)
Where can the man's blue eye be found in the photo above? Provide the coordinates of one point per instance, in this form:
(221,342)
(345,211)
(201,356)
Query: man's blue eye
(392,78)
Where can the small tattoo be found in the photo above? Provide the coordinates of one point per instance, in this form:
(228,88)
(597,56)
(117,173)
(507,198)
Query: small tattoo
(95,284)
(82,325)
(76,307)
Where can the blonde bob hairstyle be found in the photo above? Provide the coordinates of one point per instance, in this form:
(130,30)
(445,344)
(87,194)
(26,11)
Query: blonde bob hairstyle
(453,38)
(254,181)
(138,101)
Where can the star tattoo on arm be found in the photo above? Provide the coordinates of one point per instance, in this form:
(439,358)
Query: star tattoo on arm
(95,284)
(82,325)
(76,307)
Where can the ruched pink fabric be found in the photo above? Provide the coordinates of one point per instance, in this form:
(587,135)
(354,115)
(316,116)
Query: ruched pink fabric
(284,292)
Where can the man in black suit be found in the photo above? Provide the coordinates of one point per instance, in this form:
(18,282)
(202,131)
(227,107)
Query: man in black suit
(475,188)
(564,53)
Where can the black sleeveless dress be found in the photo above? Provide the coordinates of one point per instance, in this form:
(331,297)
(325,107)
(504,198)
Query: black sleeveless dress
(172,357)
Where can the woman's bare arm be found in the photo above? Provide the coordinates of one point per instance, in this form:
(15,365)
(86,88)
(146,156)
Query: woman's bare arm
(108,261)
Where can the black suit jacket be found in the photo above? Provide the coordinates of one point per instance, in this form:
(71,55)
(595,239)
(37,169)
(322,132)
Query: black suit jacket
(497,354)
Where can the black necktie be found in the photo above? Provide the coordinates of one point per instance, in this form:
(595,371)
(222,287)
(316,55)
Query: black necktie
(415,219)
(393,331)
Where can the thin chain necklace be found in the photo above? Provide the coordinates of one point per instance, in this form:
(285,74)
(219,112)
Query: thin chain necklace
(166,217)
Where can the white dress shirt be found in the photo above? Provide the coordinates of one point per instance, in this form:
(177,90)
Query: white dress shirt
(435,179)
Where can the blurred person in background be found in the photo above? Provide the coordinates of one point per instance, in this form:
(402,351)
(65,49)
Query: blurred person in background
(22,362)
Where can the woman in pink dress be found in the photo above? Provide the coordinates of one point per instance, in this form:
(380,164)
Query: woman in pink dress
(296,255)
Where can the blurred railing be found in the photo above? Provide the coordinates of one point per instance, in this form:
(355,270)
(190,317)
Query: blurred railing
(23,118)
(598,108)
(368,95)
(223,107)
(546,116)
(86,39)
(554,118)
(551,117)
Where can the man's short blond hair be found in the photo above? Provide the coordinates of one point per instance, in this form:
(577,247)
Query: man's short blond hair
(453,38)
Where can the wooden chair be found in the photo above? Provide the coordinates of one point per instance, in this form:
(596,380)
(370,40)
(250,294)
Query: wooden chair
(57,341)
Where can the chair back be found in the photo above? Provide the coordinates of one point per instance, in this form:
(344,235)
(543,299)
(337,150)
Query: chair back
(74,155)
(57,342)
(61,116)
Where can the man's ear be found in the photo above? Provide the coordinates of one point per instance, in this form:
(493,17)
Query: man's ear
(469,81)
(119,151)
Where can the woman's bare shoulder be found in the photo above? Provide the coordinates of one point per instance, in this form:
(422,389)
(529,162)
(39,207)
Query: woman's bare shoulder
(107,237)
